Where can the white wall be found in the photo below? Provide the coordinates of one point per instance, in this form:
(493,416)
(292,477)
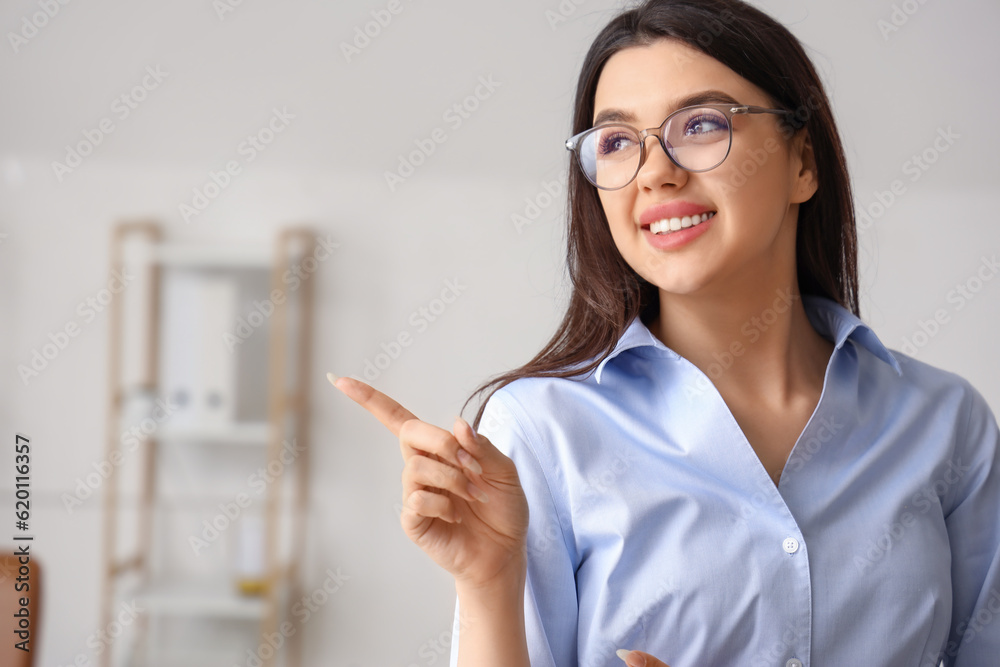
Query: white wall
(450,220)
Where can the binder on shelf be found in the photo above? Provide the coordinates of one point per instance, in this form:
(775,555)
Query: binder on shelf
(198,369)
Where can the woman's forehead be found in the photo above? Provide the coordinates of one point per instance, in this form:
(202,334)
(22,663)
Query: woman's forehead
(657,78)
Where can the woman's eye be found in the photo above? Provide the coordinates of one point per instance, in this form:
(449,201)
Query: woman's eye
(614,143)
(705,124)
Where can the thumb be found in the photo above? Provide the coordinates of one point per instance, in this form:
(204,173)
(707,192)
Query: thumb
(478,445)
(639,659)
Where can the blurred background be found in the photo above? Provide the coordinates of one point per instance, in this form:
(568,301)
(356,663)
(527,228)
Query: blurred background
(396,171)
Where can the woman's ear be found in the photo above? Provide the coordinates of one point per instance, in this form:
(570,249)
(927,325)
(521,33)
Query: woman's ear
(804,162)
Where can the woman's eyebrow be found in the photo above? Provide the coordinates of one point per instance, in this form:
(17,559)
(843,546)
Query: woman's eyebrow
(702,97)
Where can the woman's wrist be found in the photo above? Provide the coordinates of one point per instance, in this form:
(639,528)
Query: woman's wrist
(504,585)
(492,632)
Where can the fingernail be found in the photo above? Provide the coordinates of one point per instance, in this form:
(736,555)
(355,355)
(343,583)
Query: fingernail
(459,418)
(637,661)
(478,493)
(467,461)
(333,379)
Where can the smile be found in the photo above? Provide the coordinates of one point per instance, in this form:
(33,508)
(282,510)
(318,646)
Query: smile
(668,225)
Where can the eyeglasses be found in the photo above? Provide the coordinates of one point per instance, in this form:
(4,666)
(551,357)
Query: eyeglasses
(695,138)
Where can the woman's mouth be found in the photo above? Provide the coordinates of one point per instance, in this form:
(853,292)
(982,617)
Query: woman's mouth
(667,225)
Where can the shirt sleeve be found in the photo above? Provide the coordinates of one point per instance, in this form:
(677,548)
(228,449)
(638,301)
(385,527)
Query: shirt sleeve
(974,532)
(550,601)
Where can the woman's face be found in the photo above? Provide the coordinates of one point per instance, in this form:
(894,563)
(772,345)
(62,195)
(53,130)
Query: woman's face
(749,243)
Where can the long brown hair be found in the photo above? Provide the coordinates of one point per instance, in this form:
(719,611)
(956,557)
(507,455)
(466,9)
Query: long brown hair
(607,292)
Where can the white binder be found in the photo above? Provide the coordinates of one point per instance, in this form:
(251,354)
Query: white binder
(198,370)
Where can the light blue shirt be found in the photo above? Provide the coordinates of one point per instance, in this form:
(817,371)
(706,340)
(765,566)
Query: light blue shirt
(654,526)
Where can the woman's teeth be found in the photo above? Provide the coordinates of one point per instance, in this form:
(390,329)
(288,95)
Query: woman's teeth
(673,224)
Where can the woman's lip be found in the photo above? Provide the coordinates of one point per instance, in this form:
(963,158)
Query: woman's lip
(678,238)
(673,209)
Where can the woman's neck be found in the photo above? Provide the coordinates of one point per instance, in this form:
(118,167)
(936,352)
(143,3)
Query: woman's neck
(755,344)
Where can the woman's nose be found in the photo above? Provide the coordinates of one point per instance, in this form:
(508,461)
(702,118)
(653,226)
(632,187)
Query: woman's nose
(658,169)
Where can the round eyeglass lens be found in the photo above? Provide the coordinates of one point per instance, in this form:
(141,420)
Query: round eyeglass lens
(610,155)
(698,139)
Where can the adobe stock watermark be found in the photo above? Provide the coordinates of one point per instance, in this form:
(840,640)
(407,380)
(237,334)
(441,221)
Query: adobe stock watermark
(562,12)
(922,501)
(420,320)
(303,610)
(664,587)
(31,24)
(898,17)
(104,638)
(88,310)
(495,416)
(437,647)
(755,159)
(547,194)
(758,157)
(258,482)
(455,116)
(130,440)
(795,633)
(915,167)
(752,329)
(972,627)
(249,149)
(824,431)
(604,652)
(121,108)
(292,278)
(715,27)
(224,7)
(959,297)
(371,30)
(597,484)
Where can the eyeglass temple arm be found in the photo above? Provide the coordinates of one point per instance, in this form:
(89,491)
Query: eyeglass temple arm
(790,116)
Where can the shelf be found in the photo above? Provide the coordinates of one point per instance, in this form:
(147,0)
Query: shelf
(215,597)
(237,433)
(208,419)
(222,256)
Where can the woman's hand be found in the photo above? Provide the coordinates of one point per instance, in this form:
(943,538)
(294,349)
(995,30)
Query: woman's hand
(462,499)
(640,659)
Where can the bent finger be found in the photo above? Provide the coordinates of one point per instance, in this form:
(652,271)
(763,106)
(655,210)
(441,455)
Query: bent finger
(422,472)
(423,504)
(419,437)
(483,452)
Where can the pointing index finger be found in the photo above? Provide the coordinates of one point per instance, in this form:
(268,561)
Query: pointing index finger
(386,410)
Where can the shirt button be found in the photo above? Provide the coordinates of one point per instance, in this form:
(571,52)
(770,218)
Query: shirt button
(791,545)
(794,662)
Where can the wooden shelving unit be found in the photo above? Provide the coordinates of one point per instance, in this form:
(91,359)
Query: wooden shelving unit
(132,570)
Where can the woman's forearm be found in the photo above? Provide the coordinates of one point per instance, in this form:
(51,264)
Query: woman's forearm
(491,622)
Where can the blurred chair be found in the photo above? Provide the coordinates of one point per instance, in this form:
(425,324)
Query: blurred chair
(10,655)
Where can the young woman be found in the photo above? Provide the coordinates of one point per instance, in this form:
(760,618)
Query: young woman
(723,464)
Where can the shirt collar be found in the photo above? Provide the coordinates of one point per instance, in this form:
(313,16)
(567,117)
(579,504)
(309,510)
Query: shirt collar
(829,318)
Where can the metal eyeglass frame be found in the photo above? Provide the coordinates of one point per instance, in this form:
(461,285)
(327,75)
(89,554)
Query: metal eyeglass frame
(728,110)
